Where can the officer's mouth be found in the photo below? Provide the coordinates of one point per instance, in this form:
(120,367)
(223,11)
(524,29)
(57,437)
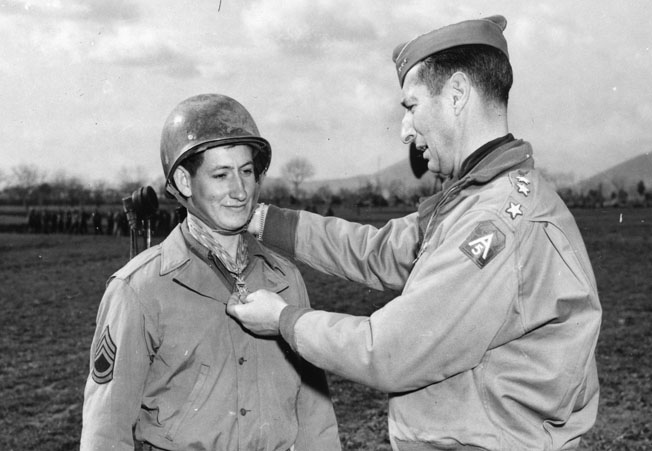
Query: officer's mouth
(423,150)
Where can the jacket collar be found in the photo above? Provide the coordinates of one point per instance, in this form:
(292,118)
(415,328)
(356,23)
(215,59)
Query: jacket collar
(187,262)
(176,251)
(480,153)
(513,154)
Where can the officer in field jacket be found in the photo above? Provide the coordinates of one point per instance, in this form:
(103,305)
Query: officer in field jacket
(491,344)
(168,366)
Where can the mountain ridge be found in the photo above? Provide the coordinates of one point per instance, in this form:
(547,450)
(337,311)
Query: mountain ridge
(625,175)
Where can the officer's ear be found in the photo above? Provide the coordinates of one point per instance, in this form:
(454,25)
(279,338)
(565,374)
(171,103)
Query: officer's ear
(459,89)
(182,181)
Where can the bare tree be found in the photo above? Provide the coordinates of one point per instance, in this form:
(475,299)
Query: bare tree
(24,180)
(640,188)
(275,193)
(131,179)
(296,171)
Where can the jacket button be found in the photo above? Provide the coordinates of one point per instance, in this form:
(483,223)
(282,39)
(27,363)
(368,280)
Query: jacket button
(241,360)
(243,411)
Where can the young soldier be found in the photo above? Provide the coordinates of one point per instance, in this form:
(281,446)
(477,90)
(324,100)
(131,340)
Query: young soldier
(168,367)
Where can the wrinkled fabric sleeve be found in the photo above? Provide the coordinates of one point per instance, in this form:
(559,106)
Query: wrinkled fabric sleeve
(280,229)
(111,408)
(315,413)
(378,258)
(441,325)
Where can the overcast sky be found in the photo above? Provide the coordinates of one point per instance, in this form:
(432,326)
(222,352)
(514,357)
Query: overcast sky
(85,85)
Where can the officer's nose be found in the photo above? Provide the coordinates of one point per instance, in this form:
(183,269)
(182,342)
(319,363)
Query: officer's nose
(407,129)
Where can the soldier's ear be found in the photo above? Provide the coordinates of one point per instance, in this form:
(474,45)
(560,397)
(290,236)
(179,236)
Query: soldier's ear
(182,181)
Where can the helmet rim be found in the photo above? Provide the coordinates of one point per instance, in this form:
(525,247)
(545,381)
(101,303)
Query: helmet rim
(204,121)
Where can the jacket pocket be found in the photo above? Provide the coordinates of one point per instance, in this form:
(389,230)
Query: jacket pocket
(188,406)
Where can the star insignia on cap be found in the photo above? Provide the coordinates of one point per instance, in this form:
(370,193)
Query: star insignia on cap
(514,210)
(522,179)
(523,189)
(403,63)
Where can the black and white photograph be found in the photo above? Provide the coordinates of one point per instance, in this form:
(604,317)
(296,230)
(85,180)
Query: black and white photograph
(334,225)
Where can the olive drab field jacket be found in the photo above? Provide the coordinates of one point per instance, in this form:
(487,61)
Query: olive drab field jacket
(491,343)
(169,364)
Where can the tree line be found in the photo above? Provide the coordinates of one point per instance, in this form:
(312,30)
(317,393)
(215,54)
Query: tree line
(32,188)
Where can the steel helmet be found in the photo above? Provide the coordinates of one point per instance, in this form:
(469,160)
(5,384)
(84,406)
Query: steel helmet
(208,120)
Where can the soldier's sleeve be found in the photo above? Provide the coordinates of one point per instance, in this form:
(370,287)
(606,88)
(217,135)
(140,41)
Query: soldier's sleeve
(119,360)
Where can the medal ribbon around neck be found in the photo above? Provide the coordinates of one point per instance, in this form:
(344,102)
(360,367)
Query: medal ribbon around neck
(208,238)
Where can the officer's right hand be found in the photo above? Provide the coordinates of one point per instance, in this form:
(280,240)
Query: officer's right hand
(259,312)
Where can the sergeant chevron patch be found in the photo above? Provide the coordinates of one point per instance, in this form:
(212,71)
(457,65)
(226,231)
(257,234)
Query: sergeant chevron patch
(484,243)
(104,358)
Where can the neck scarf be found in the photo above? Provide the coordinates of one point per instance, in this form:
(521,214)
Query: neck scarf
(209,239)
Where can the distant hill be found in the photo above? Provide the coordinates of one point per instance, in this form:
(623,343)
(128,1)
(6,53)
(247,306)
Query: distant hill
(388,177)
(625,175)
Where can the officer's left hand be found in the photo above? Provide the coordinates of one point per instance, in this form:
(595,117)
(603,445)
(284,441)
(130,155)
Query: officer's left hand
(259,312)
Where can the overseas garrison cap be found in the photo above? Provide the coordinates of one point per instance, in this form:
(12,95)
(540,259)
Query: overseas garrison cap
(488,31)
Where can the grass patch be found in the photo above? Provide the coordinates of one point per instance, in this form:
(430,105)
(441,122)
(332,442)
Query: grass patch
(52,286)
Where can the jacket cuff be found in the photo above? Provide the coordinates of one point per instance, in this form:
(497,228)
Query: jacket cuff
(289,316)
(280,229)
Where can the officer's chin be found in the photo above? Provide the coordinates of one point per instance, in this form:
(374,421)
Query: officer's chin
(434,168)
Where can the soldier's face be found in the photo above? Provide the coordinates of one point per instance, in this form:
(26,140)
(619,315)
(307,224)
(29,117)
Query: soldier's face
(224,186)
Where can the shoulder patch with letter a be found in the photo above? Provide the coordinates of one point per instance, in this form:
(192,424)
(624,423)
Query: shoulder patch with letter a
(104,358)
(484,243)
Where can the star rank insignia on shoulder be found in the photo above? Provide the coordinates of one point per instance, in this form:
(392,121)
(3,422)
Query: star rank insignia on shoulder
(104,359)
(484,243)
(522,183)
(523,189)
(522,179)
(514,209)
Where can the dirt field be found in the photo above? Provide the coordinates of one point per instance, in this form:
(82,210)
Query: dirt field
(51,286)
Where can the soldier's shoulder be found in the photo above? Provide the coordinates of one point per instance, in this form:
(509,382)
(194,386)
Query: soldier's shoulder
(142,262)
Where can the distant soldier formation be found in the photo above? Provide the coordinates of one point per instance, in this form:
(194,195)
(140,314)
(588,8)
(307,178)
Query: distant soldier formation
(79,221)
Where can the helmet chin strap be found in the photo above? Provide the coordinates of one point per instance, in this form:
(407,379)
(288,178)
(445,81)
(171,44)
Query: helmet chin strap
(222,231)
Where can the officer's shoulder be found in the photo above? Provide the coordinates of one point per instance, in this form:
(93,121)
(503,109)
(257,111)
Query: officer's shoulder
(521,194)
(141,262)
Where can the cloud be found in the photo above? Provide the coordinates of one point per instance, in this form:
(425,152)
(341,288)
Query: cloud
(309,27)
(139,47)
(58,32)
(99,11)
